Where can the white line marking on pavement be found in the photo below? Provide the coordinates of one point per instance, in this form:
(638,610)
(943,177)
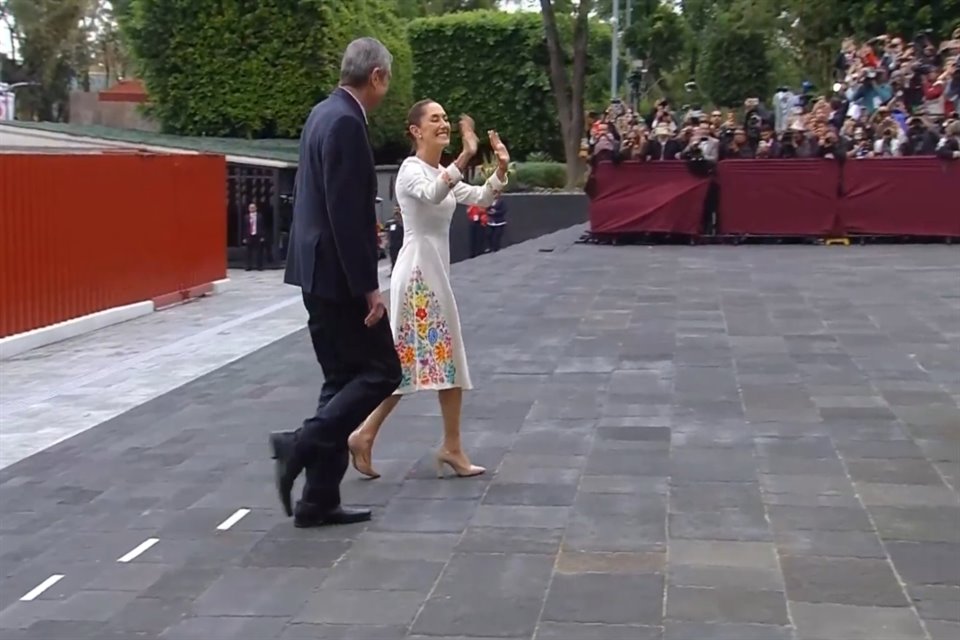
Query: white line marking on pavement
(143,546)
(232,520)
(34,593)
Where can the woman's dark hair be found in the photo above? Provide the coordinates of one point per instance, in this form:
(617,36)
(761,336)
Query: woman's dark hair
(415,115)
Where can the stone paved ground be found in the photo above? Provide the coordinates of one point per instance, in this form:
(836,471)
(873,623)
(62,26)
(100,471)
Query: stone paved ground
(713,443)
(50,394)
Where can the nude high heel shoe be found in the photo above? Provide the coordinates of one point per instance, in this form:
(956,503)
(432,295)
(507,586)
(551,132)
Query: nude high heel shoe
(462,468)
(360,457)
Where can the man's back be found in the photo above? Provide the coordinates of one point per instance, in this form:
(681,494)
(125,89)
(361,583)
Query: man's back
(333,238)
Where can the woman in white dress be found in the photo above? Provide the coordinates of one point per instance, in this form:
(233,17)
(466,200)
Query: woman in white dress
(423,311)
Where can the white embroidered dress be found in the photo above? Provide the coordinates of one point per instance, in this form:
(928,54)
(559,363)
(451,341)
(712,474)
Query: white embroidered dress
(423,311)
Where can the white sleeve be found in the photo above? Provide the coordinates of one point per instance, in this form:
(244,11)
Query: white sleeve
(413,181)
(482,196)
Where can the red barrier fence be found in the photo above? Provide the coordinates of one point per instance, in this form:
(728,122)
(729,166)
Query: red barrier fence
(655,197)
(81,233)
(818,198)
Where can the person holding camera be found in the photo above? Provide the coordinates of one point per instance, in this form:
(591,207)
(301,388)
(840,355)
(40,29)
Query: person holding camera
(920,140)
(739,147)
(702,146)
(949,147)
(888,145)
(662,146)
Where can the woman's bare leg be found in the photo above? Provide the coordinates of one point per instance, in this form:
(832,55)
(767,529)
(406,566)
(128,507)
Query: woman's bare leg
(451,403)
(361,440)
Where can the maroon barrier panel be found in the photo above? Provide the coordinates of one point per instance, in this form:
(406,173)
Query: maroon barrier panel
(649,197)
(797,197)
(901,196)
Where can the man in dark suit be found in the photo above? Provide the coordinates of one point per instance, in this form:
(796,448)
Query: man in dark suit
(333,257)
(254,237)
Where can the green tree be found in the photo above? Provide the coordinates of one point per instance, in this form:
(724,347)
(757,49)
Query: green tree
(735,62)
(495,66)
(422,8)
(49,42)
(569,89)
(658,35)
(254,68)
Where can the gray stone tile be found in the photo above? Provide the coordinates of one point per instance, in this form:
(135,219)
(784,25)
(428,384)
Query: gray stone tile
(840,544)
(257,591)
(943,629)
(833,621)
(921,524)
(907,495)
(676,630)
(610,563)
(582,631)
(300,552)
(726,604)
(383,574)
(855,581)
(713,576)
(926,562)
(719,553)
(435,547)
(704,496)
(721,524)
(530,494)
(936,602)
(425,516)
(605,598)
(793,518)
(510,540)
(338,606)
(92,606)
(491,515)
(306,631)
(215,628)
(464,604)
(898,471)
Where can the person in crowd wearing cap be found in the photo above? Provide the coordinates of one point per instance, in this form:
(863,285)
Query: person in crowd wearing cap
(663,146)
(921,141)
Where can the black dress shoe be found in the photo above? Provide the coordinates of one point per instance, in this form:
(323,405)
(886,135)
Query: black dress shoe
(309,517)
(285,468)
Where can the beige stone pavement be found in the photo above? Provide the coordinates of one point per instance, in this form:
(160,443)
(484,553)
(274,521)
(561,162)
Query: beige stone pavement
(53,393)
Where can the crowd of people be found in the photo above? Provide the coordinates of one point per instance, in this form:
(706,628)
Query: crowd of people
(890,98)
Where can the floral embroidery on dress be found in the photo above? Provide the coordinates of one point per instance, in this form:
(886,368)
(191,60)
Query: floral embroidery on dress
(424,344)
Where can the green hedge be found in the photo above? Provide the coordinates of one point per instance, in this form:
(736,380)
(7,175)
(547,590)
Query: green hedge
(495,66)
(254,68)
(529,176)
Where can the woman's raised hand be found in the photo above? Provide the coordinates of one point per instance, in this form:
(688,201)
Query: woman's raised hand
(499,149)
(468,135)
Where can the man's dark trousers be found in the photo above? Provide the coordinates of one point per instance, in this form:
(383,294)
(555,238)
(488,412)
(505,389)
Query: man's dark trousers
(360,369)
(256,248)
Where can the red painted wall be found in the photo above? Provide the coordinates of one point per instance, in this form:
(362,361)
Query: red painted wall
(81,233)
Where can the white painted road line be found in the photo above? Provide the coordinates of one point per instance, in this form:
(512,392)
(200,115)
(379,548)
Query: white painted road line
(132,555)
(232,520)
(34,593)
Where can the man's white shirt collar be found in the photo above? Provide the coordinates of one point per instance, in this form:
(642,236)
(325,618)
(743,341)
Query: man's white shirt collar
(359,104)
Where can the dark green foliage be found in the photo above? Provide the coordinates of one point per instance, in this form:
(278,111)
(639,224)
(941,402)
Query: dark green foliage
(538,175)
(735,63)
(494,66)
(254,68)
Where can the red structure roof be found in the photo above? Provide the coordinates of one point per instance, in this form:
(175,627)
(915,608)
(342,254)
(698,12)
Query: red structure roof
(125,91)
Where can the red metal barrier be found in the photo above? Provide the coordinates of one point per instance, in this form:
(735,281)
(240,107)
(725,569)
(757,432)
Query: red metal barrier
(654,197)
(798,197)
(81,233)
(795,197)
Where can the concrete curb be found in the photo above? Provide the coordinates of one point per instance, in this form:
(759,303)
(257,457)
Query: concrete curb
(28,340)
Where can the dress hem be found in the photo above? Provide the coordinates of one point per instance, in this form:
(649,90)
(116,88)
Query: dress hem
(433,387)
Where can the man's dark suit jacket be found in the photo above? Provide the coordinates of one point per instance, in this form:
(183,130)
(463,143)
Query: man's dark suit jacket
(333,240)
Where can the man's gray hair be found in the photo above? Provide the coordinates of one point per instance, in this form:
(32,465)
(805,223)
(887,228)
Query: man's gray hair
(362,56)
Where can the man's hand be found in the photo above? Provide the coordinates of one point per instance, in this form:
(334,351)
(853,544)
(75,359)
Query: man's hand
(376,308)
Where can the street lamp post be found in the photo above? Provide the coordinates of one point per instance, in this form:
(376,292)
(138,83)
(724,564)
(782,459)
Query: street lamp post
(614,54)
